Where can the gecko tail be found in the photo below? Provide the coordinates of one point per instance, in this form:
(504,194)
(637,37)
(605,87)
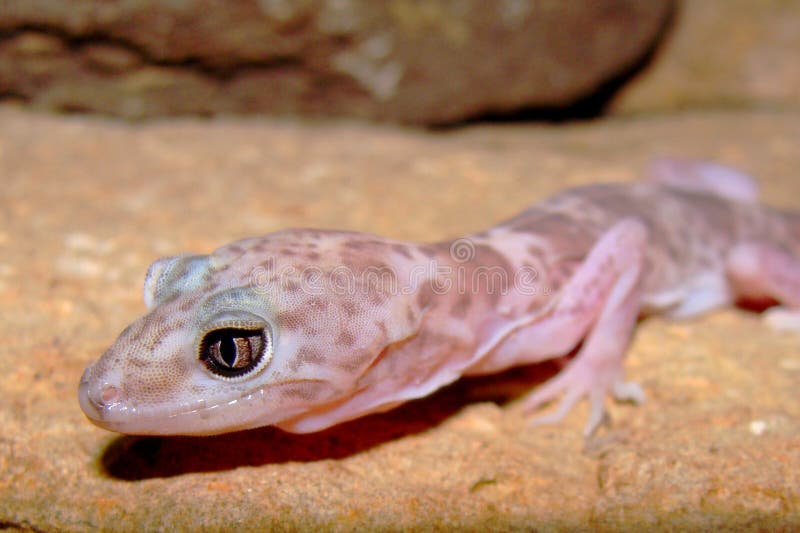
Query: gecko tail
(705,176)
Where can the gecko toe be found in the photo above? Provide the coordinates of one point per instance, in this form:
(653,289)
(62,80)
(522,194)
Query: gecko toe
(568,401)
(578,382)
(628,391)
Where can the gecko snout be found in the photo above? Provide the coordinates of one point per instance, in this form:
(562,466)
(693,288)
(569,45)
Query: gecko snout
(88,407)
(95,401)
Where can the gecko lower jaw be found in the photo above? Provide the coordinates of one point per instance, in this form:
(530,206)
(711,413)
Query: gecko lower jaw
(105,405)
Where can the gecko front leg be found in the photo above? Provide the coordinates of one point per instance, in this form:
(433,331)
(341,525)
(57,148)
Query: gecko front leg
(610,276)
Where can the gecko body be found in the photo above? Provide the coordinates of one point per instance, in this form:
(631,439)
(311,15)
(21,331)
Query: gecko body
(304,329)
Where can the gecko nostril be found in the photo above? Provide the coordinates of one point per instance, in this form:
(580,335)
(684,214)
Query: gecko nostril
(109,394)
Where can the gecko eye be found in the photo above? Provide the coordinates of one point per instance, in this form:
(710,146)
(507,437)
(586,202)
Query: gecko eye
(234,352)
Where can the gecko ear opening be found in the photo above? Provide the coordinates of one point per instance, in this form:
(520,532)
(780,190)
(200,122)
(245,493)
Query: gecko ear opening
(169,276)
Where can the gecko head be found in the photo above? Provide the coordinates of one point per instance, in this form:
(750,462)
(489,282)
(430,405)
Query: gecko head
(184,366)
(217,353)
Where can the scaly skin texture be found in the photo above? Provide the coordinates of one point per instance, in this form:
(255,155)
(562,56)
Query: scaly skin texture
(304,329)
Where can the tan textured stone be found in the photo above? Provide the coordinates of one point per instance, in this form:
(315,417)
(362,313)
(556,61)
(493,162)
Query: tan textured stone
(723,53)
(86,204)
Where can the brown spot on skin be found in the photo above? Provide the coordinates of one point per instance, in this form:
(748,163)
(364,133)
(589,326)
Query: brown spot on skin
(350,308)
(536,253)
(138,362)
(411,317)
(571,230)
(312,276)
(350,263)
(306,391)
(187,304)
(382,327)
(287,252)
(306,355)
(345,338)
(377,297)
(354,245)
(293,320)
(313,256)
(462,305)
(158,380)
(488,257)
(380,277)
(562,271)
(425,296)
(235,249)
(290,286)
(318,304)
(157,341)
(428,250)
(402,249)
(136,335)
(535,304)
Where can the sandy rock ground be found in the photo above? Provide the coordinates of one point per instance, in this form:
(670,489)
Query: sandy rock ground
(87,204)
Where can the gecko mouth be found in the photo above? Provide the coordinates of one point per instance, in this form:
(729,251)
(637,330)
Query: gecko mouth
(104,408)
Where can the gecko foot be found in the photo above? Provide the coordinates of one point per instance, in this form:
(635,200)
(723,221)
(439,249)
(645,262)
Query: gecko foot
(576,382)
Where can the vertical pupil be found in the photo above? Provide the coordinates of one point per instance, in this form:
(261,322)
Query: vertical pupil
(227,350)
(232,352)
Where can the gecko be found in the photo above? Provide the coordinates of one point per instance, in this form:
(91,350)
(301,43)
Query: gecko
(304,329)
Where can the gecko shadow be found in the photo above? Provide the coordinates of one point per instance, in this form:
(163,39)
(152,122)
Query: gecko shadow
(133,458)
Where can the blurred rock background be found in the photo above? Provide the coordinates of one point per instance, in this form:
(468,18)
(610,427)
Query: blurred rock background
(411,61)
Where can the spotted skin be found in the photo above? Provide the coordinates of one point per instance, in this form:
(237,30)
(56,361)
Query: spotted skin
(351,323)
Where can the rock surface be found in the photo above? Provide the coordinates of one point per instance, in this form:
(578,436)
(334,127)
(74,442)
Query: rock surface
(86,204)
(431,61)
(722,53)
